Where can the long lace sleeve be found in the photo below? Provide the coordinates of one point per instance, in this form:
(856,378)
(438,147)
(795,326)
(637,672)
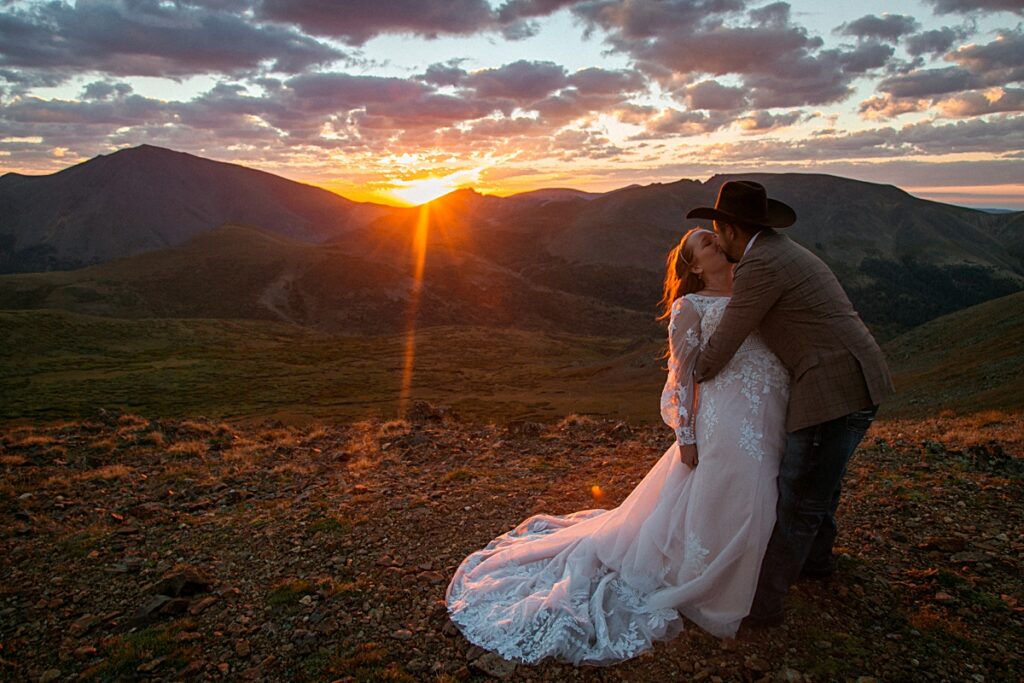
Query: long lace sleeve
(678,406)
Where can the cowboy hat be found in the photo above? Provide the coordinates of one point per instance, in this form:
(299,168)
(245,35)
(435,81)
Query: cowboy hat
(744,201)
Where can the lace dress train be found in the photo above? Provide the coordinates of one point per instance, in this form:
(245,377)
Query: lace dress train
(600,586)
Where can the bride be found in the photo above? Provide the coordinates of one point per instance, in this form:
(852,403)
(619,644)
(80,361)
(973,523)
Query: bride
(599,586)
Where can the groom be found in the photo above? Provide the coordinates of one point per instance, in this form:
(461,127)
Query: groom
(838,377)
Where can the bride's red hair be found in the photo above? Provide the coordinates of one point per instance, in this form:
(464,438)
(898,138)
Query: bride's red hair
(679,279)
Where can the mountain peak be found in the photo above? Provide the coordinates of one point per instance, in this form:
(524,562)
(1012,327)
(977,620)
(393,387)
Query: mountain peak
(147,197)
(147,151)
(462,193)
(463,196)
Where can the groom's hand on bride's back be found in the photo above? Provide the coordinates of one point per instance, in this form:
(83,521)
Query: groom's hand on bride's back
(688,454)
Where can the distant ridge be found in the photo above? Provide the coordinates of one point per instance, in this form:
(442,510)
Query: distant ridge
(147,198)
(554,194)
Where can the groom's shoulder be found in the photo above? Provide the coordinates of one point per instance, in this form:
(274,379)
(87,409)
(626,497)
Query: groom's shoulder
(768,248)
(772,240)
(780,256)
(767,241)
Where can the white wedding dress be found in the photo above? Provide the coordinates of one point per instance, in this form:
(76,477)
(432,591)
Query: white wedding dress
(599,586)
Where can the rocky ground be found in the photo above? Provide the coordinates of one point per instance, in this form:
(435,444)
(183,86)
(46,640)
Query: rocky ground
(136,549)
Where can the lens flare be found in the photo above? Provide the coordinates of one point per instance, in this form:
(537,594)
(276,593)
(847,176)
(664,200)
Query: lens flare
(597,493)
(419,251)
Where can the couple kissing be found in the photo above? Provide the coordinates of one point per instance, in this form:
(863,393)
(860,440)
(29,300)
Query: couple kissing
(773,379)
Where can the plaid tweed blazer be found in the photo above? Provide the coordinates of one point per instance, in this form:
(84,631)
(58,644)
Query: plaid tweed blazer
(806,319)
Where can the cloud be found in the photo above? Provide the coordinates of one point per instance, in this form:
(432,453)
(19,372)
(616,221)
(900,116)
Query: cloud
(807,81)
(225,117)
(972,6)
(448,73)
(867,56)
(521,9)
(975,135)
(714,96)
(226,5)
(503,127)
(874,143)
(321,110)
(575,144)
(357,21)
(362,108)
(598,81)
(776,13)
(721,49)
(888,107)
(522,81)
(1001,60)
(105,90)
(630,21)
(927,82)
(888,27)
(543,87)
(763,122)
(975,86)
(425,111)
(149,38)
(676,122)
(977,103)
(228,107)
(569,104)
(778,62)
(514,17)
(934,41)
(128,110)
(19,81)
(484,110)
(635,114)
(326,92)
(1003,135)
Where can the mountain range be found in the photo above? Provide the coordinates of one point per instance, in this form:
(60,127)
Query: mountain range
(153,232)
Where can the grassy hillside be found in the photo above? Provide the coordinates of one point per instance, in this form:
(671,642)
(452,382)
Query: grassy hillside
(244,272)
(968,361)
(57,364)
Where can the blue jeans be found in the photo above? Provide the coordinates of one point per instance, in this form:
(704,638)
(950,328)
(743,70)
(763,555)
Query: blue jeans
(810,481)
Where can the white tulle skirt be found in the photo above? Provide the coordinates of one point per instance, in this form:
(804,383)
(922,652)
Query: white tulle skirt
(600,586)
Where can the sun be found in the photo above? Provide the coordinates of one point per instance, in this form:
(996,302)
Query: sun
(423,190)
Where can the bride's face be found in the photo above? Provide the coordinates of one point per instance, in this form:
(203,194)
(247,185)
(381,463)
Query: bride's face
(707,253)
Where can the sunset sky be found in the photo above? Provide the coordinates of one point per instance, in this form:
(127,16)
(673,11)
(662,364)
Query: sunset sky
(399,100)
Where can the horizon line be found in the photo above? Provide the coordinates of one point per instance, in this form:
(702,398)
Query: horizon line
(933,193)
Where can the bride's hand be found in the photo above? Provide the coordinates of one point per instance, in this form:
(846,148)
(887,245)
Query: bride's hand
(688,454)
